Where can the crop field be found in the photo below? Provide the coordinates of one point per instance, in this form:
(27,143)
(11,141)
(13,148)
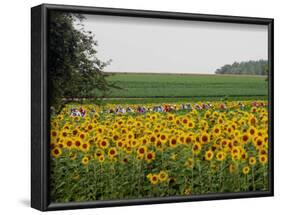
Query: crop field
(189,86)
(103,154)
(163,135)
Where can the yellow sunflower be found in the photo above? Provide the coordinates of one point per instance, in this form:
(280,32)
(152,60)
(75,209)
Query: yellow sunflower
(252,161)
(205,138)
(263,159)
(163,137)
(209,155)
(173,142)
(220,156)
(85,160)
(104,143)
(163,176)
(246,170)
(154,179)
(56,152)
(85,146)
(141,151)
(112,152)
(196,148)
(68,143)
(150,156)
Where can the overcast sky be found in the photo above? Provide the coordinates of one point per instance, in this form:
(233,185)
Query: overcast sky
(173,46)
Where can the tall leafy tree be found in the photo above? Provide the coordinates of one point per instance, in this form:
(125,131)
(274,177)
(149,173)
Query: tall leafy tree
(74,71)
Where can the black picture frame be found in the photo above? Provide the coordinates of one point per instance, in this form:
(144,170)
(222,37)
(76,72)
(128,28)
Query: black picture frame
(40,108)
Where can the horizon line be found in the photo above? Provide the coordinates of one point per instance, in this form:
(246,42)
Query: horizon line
(181,73)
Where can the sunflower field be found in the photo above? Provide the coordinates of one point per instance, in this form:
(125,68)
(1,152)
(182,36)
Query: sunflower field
(107,156)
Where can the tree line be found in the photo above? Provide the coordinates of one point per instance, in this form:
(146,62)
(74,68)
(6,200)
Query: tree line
(251,67)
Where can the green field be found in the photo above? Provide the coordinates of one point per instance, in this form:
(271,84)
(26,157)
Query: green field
(172,87)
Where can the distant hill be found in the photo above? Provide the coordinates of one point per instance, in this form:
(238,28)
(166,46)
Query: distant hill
(251,67)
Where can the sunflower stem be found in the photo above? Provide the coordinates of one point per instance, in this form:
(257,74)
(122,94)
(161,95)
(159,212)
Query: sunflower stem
(192,173)
(264,177)
(253,178)
(221,176)
(200,181)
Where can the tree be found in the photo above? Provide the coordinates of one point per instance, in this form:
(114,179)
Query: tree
(247,67)
(73,68)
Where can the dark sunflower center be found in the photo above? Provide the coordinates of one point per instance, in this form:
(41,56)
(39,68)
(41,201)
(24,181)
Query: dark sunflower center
(245,137)
(77,143)
(204,138)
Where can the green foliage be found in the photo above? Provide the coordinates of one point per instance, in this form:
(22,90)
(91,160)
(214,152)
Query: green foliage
(73,68)
(72,181)
(187,86)
(176,100)
(259,67)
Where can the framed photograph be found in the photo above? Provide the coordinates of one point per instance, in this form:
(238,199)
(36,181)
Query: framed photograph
(137,107)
